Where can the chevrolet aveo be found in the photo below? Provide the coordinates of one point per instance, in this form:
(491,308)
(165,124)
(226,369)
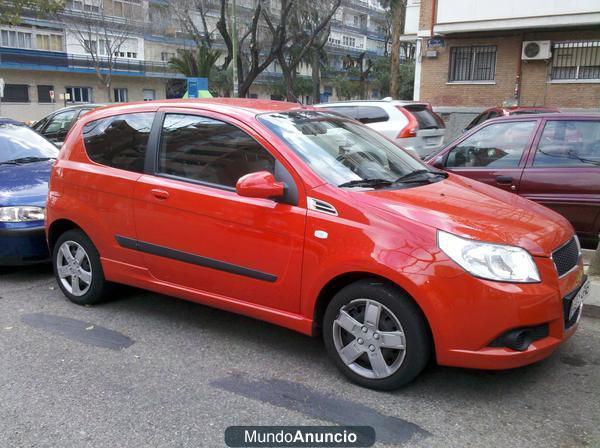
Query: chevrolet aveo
(312,221)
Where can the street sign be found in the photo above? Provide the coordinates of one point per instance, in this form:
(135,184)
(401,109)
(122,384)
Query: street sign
(196,87)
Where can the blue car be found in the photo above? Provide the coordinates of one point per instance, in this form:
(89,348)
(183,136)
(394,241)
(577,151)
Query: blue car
(26,159)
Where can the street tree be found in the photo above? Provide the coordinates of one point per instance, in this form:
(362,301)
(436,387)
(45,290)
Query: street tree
(198,63)
(398,12)
(11,11)
(307,29)
(102,34)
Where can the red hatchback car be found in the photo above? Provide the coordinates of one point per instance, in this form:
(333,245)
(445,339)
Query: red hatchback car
(552,159)
(312,221)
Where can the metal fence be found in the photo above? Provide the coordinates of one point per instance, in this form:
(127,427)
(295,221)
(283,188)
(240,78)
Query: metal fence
(576,60)
(472,63)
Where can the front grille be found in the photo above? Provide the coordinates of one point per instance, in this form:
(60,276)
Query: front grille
(566,257)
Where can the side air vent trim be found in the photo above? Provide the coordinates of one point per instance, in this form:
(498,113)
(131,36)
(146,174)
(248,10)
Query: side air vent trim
(318,205)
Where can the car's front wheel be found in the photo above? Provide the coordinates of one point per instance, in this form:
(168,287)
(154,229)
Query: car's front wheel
(77,268)
(376,335)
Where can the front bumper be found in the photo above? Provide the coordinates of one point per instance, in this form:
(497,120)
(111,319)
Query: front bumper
(22,245)
(471,314)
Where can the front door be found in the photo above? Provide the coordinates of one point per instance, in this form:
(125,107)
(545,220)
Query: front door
(198,233)
(563,172)
(495,154)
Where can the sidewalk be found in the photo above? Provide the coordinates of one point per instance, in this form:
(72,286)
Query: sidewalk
(591,307)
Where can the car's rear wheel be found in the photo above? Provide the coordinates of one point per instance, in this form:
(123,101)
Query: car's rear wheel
(376,335)
(77,268)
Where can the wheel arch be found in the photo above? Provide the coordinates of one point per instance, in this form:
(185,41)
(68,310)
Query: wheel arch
(57,228)
(342,280)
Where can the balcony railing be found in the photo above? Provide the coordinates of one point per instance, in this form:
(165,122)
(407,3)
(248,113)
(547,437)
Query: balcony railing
(58,61)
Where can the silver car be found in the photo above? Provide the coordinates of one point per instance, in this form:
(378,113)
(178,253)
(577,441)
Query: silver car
(413,125)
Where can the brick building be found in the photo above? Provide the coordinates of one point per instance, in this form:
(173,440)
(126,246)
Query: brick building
(474,54)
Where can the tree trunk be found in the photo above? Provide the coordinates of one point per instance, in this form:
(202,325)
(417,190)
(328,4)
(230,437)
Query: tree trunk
(316,79)
(398,10)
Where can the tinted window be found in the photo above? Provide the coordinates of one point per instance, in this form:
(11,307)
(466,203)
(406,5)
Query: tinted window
(44,94)
(566,143)
(478,119)
(207,150)
(17,142)
(425,117)
(371,114)
(347,111)
(119,141)
(499,145)
(59,125)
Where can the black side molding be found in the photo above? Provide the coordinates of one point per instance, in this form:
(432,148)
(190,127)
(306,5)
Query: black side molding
(187,257)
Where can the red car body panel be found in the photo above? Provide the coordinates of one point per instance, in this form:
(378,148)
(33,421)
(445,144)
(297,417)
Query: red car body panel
(573,192)
(384,234)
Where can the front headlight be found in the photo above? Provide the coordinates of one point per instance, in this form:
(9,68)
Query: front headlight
(490,261)
(21,214)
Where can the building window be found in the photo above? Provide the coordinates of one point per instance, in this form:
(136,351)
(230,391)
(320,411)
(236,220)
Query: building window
(49,42)
(79,94)
(473,63)
(44,94)
(16,93)
(149,95)
(120,95)
(15,39)
(349,41)
(576,60)
(166,56)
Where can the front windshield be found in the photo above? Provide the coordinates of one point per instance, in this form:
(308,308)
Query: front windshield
(21,144)
(339,150)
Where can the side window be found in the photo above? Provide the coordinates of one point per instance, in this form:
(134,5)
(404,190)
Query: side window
(208,150)
(119,141)
(59,125)
(492,114)
(371,114)
(477,120)
(347,111)
(569,143)
(498,145)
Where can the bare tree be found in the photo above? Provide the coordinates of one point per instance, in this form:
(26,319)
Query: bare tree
(308,21)
(191,15)
(102,34)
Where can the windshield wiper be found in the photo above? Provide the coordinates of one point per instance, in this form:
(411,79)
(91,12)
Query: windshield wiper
(366,183)
(27,160)
(419,176)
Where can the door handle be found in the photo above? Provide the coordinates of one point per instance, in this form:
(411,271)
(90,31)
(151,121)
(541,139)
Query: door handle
(504,179)
(159,194)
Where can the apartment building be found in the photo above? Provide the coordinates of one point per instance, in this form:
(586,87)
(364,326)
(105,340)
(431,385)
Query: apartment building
(46,64)
(474,54)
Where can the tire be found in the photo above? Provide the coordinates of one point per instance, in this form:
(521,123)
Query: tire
(368,349)
(88,268)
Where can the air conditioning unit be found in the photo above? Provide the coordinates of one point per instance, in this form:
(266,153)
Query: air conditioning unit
(536,50)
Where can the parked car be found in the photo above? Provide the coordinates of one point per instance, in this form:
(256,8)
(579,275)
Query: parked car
(553,159)
(495,112)
(56,125)
(412,125)
(25,162)
(310,220)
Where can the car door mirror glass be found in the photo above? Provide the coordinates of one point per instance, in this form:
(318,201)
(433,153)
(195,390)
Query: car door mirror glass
(260,184)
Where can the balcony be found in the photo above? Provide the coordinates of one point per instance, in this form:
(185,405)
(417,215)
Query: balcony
(455,16)
(12,58)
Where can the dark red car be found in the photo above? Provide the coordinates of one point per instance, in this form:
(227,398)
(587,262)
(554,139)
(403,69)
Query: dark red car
(495,112)
(553,159)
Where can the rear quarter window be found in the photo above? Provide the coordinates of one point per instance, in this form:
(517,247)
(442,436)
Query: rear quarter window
(425,117)
(119,141)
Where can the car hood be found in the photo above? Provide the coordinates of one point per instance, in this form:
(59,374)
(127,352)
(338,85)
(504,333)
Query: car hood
(25,184)
(474,210)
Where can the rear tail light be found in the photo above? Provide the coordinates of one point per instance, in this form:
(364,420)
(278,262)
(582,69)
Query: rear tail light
(410,130)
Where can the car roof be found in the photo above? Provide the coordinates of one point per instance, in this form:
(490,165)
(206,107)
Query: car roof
(378,102)
(562,115)
(11,121)
(234,106)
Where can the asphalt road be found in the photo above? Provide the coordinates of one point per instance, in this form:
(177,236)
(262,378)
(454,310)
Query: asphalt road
(147,370)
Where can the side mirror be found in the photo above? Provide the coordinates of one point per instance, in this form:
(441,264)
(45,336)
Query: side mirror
(439,163)
(261,184)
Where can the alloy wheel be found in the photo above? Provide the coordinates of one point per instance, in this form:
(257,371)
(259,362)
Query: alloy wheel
(369,339)
(74,268)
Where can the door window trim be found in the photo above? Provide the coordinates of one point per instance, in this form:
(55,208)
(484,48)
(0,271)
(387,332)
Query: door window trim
(151,163)
(523,161)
